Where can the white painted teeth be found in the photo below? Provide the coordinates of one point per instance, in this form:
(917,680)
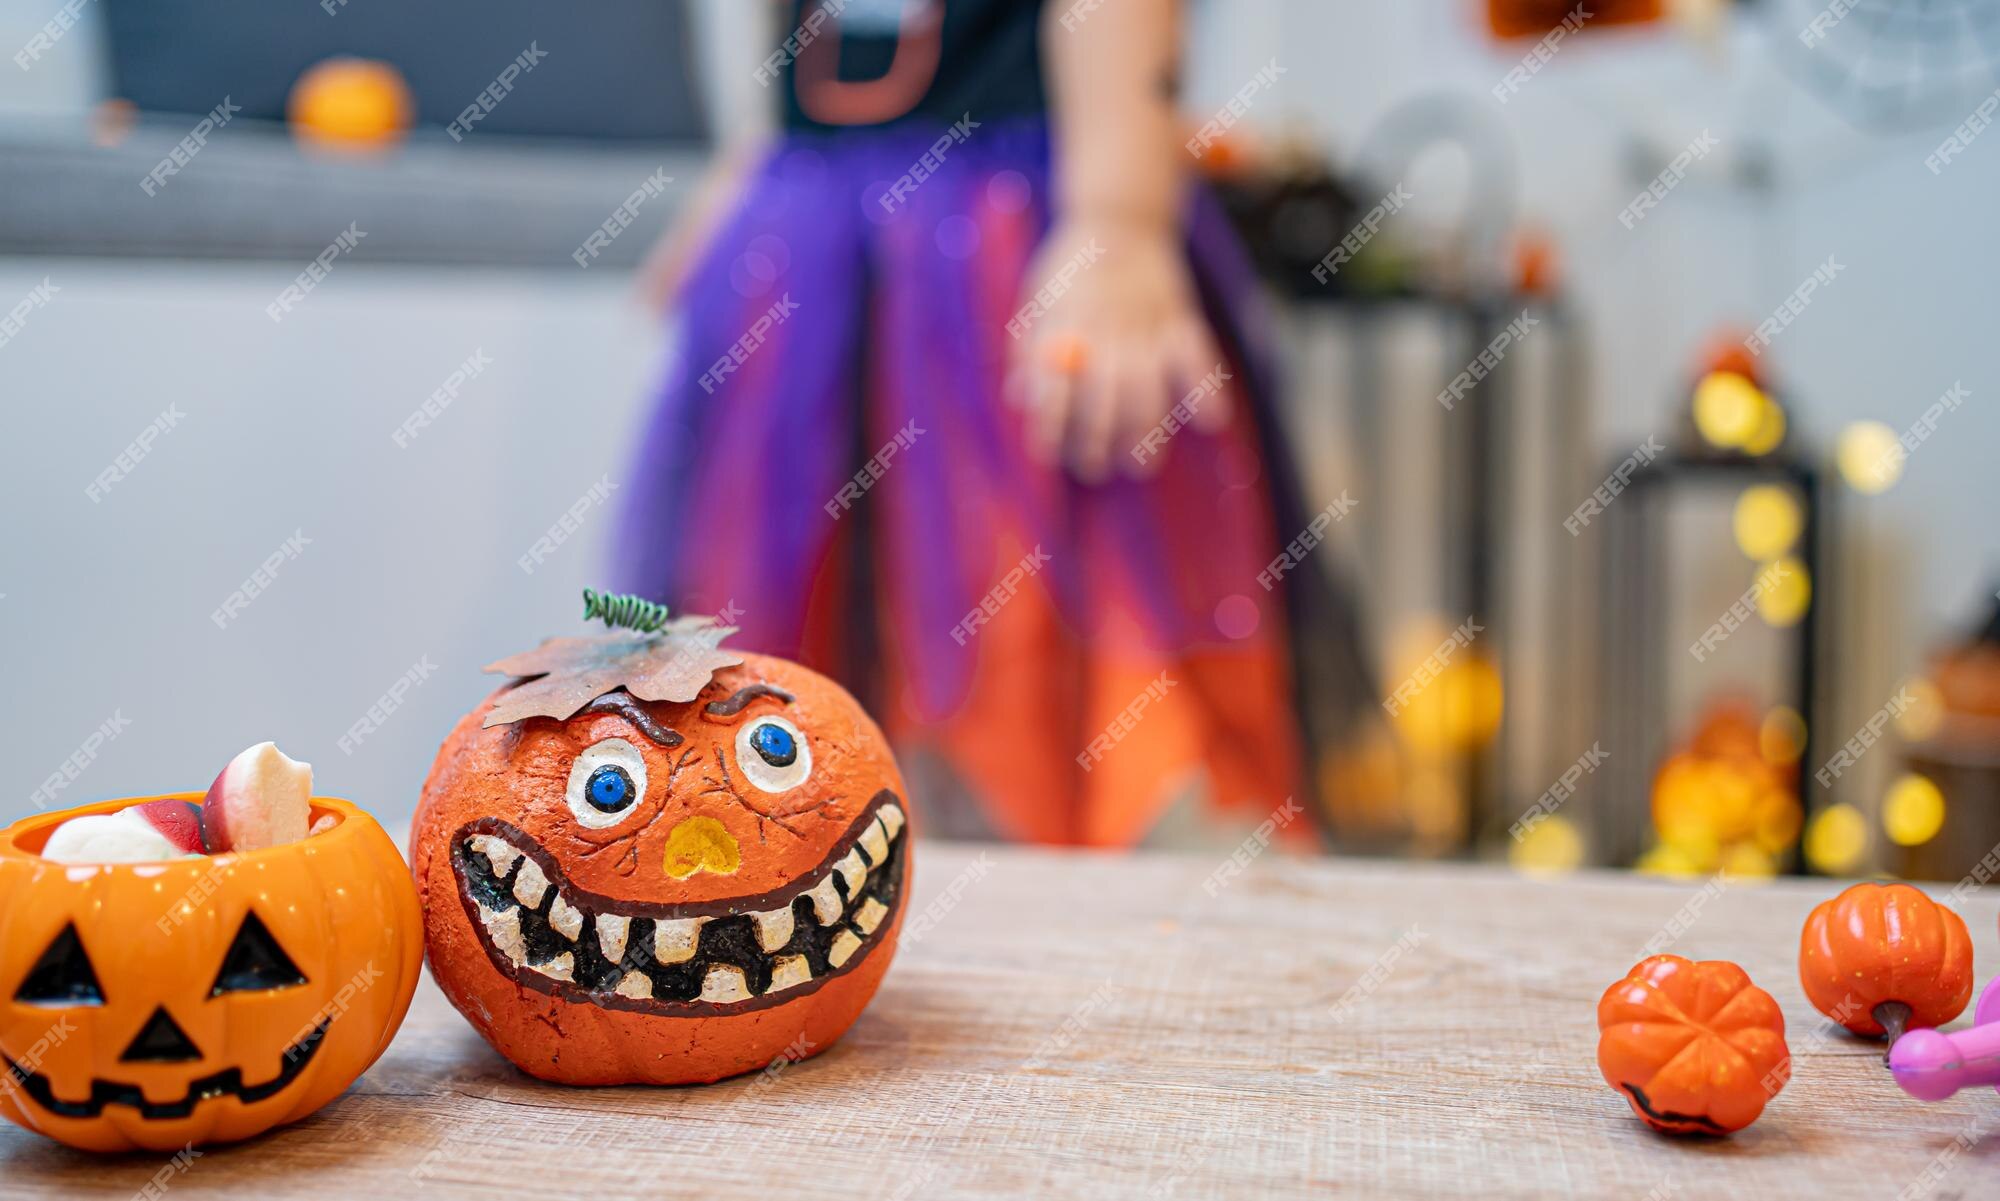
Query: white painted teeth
(566,918)
(774,928)
(530,884)
(789,970)
(674,941)
(826,901)
(725,982)
(611,931)
(504,928)
(852,870)
(498,851)
(875,843)
(677,940)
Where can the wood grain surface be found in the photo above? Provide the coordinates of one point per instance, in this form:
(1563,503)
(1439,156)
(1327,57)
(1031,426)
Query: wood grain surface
(1095,1026)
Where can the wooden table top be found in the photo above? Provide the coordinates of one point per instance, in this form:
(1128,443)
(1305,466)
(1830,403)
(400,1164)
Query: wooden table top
(1090,1025)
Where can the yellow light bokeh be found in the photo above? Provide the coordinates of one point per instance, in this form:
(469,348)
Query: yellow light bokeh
(1433,803)
(1681,809)
(1554,846)
(1668,861)
(1781,736)
(1836,839)
(1750,862)
(1869,456)
(1767,521)
(1733,788)
(1913,811)
(1783,596)
(1728,409)
(1458,709)
(1703,807)
(1778,820)
(1921,716)
(1727,798)
(1770,431)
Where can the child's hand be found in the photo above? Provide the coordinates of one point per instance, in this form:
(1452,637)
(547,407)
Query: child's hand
(657,283)
(1112,350)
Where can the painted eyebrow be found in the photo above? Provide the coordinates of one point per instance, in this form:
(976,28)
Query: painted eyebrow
(733,704)
(624,706)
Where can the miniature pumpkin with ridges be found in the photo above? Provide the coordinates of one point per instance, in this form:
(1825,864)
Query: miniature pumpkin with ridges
(1882,958)
(1695,1048)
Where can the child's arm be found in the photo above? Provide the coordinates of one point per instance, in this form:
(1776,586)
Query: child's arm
(657,283)
(1109,356)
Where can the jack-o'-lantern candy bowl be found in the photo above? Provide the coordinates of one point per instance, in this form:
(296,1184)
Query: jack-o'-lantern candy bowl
(651,861)
(203,999)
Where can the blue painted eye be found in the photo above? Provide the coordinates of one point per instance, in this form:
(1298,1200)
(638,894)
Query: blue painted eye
(773,754)
(774,744)
(606,782)
(609,789)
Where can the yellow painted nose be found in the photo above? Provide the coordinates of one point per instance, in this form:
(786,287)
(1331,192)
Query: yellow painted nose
(700,844)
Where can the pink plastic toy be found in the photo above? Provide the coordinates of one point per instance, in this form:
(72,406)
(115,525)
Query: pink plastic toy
(1932,1065)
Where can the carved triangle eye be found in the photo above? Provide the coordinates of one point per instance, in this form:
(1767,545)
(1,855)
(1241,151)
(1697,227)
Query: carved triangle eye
(255,961)
(62,976)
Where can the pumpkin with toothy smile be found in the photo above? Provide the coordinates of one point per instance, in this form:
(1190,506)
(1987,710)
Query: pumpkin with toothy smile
(653,861)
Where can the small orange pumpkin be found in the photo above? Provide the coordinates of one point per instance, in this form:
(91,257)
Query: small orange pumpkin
(350,105)
(1882,958)
(1695,1048)
(650,861)
(200,1000)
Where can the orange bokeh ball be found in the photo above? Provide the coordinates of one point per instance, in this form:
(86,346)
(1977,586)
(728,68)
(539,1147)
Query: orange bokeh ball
(1724,350)
(1728,728)
(1721,798)
(350,104)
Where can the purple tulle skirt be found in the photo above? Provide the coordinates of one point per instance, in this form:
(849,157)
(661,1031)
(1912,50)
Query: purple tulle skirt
(833,467)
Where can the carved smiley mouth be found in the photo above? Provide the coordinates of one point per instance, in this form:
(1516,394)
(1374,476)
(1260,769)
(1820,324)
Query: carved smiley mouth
(726,956)
(225,1083)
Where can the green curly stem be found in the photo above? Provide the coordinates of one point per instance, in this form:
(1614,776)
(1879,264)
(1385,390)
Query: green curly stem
(624,610)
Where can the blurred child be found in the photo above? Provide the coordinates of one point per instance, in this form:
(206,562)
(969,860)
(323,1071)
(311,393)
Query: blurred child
(964,412)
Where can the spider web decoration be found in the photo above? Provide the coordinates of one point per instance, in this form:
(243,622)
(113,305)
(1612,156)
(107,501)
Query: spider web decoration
(1890,64)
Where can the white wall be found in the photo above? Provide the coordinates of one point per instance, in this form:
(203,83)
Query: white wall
(287,428)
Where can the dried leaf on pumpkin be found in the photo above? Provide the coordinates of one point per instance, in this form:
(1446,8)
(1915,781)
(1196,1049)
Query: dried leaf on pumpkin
(562,675)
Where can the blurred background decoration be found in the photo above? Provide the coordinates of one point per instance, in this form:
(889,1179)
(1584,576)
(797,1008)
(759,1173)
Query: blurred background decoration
(1941,813)
(1749,656)
(1783,483)
(350,105)
(1900,65)
(1537,18)
(624,77)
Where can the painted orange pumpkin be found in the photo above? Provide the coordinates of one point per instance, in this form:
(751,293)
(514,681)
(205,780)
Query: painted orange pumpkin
(1880,958)
(157,1005)
(1696,1048)
(661,891)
